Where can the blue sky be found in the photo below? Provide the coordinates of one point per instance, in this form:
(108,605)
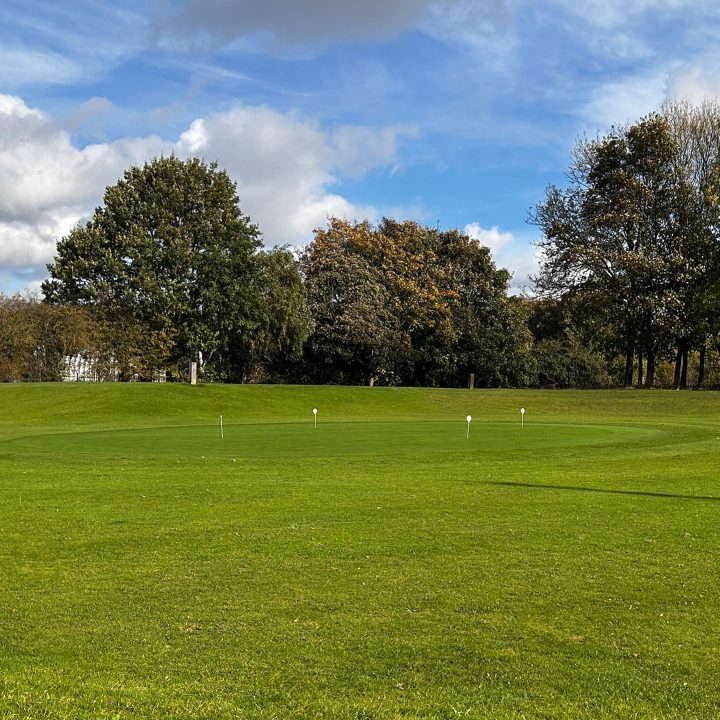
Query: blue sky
(455,114)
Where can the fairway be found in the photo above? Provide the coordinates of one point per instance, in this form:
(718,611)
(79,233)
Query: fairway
(381,565)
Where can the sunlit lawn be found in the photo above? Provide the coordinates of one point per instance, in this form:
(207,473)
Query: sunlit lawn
(382,565)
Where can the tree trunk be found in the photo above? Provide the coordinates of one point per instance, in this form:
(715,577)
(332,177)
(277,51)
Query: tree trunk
(629,357)
(678,365)
(684,371)
(650,371)
(701,366)
(640,370)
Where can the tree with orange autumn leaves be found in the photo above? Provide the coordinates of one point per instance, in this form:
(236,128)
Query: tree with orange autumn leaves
(405,304)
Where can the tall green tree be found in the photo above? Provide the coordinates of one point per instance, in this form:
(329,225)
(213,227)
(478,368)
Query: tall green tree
(612,238)
(170,251)
(697,320)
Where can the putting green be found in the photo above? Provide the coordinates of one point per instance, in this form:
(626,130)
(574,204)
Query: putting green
(331,439)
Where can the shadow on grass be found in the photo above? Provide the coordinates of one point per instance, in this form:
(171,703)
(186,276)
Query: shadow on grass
(642,493)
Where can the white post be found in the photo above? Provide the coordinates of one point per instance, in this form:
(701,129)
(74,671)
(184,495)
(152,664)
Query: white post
(222,435)
(522,417)
(469,419)
(315,417)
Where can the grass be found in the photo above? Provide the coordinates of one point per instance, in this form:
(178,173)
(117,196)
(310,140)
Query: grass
(381,566)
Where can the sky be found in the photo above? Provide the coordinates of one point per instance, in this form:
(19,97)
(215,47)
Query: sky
(455,114)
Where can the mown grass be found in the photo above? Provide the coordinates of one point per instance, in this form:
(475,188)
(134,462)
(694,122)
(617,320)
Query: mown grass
(381,566)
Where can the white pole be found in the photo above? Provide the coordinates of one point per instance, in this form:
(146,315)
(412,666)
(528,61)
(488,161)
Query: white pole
(468,418)
(522,417)
(222,435)
(315,417)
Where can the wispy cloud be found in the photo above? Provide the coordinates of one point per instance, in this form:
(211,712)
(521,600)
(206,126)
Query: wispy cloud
(26,66)
(44,42)
(625,100)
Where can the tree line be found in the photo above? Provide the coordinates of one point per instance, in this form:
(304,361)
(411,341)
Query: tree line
(170,270)
(631,246)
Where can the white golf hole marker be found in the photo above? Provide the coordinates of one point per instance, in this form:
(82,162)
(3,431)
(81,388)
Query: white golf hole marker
(315,416)
(222,435)
(469,420)
(522,417)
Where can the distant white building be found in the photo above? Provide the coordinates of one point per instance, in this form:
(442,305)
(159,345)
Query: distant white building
(84,368)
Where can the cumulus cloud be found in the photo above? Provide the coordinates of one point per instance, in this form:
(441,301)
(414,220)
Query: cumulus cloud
(47,185)
(493,237)
(515,253)
(524,264)
(27,245)
(41,170)
(285,167)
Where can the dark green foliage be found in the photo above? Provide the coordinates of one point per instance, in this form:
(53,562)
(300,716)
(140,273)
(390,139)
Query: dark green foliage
(275,326)
(632,241)
(171,252)
(568,363)
(564,358)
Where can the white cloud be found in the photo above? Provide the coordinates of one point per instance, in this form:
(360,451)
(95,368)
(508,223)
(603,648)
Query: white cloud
(21,66)
(625,100)
(516,253)
(492,237)
(47,185)
(285,167)
(523,263)
(28,244)
(41,170)
(630,98)
(695,82)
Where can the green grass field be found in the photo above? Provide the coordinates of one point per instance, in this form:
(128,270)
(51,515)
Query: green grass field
(381,566)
